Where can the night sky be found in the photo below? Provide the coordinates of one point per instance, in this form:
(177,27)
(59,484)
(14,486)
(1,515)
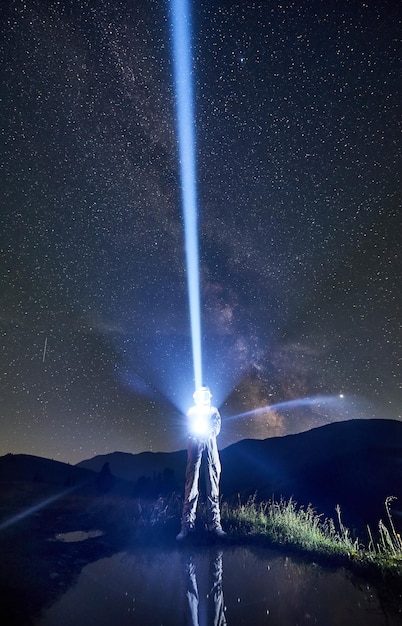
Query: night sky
(298,163)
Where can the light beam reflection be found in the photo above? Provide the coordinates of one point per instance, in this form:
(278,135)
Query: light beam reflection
(37,507)
(181,27)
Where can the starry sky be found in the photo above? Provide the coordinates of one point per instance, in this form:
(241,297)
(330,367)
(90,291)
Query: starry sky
(298,166)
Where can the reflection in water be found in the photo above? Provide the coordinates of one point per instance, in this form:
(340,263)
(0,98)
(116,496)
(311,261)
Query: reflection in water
(184,586)
(215,603)
(78,535)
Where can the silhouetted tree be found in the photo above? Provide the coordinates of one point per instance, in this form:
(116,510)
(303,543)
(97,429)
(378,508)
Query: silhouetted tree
(105,479)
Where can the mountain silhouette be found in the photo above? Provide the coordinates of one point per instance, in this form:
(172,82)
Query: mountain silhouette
(355,464)
(36,469)
(135,466)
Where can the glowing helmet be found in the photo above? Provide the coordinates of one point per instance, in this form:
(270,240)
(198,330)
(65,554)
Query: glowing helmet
(202,395)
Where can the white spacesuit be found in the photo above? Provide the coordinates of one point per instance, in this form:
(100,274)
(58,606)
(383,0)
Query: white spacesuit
(204,423)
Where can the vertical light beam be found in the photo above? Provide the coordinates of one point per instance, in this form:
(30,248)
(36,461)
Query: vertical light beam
(181,29)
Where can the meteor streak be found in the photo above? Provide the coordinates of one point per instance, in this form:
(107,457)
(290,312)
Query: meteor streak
(44,351)
(181,28)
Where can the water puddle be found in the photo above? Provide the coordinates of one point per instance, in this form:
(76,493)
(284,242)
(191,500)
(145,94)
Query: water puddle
(233,586)
(78,535)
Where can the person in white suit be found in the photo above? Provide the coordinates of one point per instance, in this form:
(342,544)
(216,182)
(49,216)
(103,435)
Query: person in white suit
(204,425)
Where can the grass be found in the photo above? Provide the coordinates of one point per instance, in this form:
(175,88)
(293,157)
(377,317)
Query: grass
(126,520)
(285,523)
(276,522)
(387,550)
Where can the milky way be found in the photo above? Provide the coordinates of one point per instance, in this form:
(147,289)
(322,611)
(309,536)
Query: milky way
(298,161)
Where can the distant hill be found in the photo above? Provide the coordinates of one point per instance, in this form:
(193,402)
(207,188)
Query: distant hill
(134,466)
(29,468)
(35,470)
(356,464)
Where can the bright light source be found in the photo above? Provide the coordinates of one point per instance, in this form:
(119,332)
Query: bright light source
(200,426)
(199,421)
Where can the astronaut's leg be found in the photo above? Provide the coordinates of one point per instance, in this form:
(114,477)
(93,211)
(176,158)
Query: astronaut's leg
(213,472)
(191,492)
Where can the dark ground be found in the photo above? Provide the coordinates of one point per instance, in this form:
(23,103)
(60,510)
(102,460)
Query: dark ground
(356,464)
(35,568)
